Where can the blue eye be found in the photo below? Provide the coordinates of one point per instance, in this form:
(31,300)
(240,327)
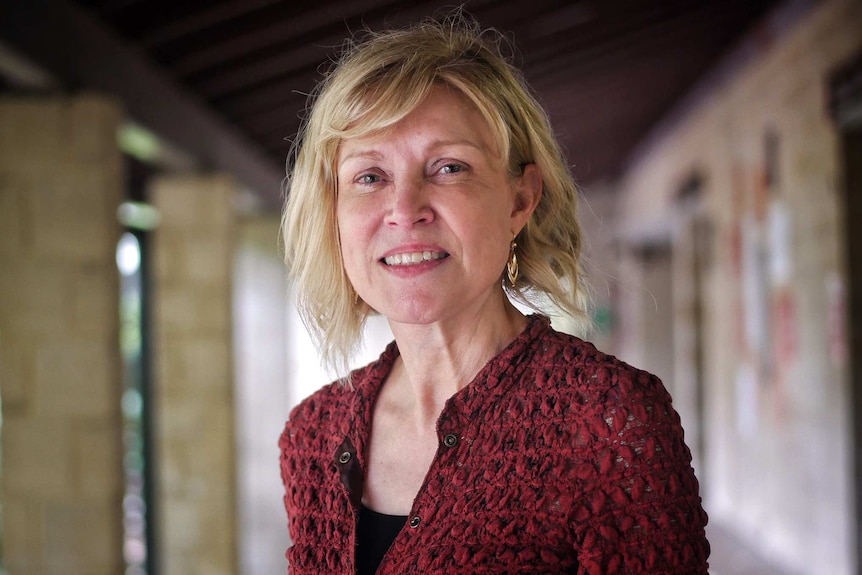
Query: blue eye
(368,179)
(452,168)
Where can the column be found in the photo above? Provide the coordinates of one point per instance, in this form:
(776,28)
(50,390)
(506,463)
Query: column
(61,181)
(194,398)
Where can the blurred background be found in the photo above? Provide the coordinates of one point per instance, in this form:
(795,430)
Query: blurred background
(149,349)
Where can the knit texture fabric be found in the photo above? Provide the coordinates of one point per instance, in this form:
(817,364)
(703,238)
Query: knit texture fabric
(556,458)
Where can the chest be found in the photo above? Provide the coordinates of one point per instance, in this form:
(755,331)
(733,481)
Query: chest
(397,462)
(492,492)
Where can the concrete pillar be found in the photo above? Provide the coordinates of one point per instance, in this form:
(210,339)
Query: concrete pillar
(62,481)
(194,398)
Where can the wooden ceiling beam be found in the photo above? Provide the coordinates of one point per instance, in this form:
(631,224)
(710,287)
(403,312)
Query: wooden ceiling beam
(274,34)
(193,23)
(82,54)
(322,45)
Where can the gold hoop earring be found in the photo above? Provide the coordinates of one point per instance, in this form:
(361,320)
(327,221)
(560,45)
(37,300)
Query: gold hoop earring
(512,264)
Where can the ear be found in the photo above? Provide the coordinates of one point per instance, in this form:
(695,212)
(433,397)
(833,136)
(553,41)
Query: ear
(528,192)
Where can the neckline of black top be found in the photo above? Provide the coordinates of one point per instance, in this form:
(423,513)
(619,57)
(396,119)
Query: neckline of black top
(375,533)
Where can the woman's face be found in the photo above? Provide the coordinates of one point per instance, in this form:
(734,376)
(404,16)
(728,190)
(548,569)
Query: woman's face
(426,212)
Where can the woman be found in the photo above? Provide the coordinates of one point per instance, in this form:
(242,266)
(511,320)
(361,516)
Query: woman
(428,188)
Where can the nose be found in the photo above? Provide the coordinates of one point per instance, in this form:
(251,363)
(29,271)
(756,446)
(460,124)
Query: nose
(409,204)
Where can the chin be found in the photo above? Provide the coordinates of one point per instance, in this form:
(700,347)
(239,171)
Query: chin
(423,317)
(414,312)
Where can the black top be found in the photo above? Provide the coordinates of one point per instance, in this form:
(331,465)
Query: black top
(374,535)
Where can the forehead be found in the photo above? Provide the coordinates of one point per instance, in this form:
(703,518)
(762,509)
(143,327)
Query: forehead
(446,116)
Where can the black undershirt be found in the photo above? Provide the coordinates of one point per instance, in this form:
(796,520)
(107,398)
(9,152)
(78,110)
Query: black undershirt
(374,536)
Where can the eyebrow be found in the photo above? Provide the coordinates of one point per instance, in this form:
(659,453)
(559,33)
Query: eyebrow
(371,154)
(377,155)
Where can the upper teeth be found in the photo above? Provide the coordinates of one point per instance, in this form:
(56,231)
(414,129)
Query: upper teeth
(412,258)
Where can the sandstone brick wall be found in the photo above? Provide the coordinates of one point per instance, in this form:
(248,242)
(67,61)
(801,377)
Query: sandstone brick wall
(60,184)
(194,396)
(777,439)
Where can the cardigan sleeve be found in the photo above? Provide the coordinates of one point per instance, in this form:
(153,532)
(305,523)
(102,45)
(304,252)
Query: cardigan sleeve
(645,514)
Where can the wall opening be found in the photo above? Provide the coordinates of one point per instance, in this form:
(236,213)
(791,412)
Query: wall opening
(135,464)
(138,509)
(692,250)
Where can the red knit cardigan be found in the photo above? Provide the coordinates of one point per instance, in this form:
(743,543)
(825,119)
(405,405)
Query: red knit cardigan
(555,459)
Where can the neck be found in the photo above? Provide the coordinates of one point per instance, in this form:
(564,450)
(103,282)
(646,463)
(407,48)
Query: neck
(439,359)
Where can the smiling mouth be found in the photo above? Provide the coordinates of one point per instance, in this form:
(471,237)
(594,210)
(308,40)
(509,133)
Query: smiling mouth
(413,258)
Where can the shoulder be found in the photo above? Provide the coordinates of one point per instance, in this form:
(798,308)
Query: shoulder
(313,423)
(599,383)
(327,411)
(321,410)
(580,363)
(317,407)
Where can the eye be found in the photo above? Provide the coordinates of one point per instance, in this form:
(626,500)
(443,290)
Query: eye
(368,179)
(452,168)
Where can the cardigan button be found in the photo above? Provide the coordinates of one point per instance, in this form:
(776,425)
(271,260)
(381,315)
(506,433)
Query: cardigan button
(414,522)
(450,440)
(345,457)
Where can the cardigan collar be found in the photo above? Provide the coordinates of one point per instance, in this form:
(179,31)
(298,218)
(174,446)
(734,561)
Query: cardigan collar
(493,380)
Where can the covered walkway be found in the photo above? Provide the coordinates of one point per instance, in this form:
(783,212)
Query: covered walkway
(150,352)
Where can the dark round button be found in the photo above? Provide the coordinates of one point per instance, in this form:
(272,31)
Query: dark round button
(345,457)
(450,440)
(414,522)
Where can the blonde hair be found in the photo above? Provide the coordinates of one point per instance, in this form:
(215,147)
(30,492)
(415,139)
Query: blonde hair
(376,83)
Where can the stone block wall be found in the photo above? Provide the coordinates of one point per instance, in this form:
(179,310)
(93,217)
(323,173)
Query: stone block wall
(61,182)
(193,251)
(777,441)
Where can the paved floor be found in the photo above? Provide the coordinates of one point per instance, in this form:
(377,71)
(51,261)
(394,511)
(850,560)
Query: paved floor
(731,555)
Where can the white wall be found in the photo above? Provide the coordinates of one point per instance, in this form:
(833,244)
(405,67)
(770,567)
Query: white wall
(276,367)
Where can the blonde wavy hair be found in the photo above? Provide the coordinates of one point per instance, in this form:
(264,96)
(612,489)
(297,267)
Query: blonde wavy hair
(378,80)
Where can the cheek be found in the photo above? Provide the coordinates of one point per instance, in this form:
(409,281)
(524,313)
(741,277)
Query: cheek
(345,236)
(353,238)
(350,227)
(491,227)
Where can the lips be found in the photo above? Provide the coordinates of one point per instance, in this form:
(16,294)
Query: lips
(413,258)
